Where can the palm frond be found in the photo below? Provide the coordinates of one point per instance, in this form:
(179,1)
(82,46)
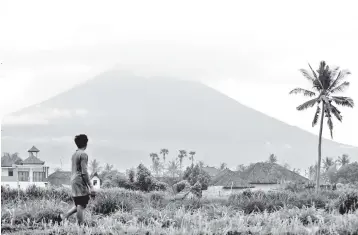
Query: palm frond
(314,73)
(330,126)
(307,75)
(307,104)
(343,101)
(341,75)
(336,113)
(302,91)
(316,116)
(317,83)
(334,72)
(340,87)
(327,111)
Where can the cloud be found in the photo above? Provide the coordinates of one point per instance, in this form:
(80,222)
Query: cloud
(43,117)
(287,146)
(81,112)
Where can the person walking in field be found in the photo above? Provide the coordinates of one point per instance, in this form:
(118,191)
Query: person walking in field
(81,185)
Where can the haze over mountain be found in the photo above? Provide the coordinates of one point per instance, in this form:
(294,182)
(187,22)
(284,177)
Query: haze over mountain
(127,117)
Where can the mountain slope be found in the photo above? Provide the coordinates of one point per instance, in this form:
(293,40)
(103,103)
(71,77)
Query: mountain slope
(127,117)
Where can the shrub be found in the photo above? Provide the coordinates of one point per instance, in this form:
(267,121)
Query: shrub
(158,186)
(254,206)
(347,202)
(111,200)
(194,174)
(180,186)
(294,187)
(196,190)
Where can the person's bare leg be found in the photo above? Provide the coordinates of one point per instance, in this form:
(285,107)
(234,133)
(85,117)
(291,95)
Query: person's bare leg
(70,212)
(79,214)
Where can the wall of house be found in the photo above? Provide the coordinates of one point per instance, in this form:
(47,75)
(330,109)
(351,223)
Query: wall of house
(265,187)
(97,186)
(5,175)
(4,172)
(23,185)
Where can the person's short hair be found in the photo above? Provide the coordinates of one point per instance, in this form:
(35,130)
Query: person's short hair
(81,141)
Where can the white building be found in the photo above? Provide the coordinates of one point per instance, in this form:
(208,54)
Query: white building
(95,180)
(18,173)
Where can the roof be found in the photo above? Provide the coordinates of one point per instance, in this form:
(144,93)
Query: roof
(8,160)
(93,175)
(33,149)
(270,173)
(221,178)
(59,178)
(212,171)
(33,160)
(235,181)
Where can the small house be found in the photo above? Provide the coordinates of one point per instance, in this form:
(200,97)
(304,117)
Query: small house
(95,180)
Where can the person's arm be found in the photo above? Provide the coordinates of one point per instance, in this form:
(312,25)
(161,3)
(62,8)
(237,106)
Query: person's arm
(84,167)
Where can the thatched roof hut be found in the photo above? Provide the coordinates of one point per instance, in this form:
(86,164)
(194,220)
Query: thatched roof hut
(212,171)
(270,173)
(60,178)
(235,182)
(230,179)
(221,178)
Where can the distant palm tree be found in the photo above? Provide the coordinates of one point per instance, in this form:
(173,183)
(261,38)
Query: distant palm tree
(326,82)
(240,168)
(201,164)
(164,152)
(173,168)
(312,172)
(327,163)
(223,166)
(272,158)
(287,166)
(192,153)
(153,156)
(181,156)
(108,167)
(94,166)
(343,160)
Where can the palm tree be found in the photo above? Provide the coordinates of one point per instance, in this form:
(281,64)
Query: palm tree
(94,166)
(272,158)
(343,160)
(154,156)
(182,154)
(327,163)
(240,168)
(312,172)
(326,82)
(223,166)
(201,164)
(173,168)
(164,152)
(287,166)
(192,153)
(108,167)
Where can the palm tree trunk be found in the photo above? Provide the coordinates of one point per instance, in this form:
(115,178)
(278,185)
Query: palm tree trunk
(319,150)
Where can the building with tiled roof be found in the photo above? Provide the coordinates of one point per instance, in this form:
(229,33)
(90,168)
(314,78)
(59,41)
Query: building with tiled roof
(18,173)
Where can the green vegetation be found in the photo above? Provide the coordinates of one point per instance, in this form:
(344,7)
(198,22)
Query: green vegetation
(117,210)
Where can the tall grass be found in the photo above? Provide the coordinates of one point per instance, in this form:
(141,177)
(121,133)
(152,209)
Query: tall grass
(116,211)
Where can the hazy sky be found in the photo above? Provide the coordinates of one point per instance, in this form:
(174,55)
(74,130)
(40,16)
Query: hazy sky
(249,50)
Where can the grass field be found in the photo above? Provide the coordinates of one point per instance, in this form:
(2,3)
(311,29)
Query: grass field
(119,211)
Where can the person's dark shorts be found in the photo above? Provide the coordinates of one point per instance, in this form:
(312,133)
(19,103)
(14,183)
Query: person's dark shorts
(81,200)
